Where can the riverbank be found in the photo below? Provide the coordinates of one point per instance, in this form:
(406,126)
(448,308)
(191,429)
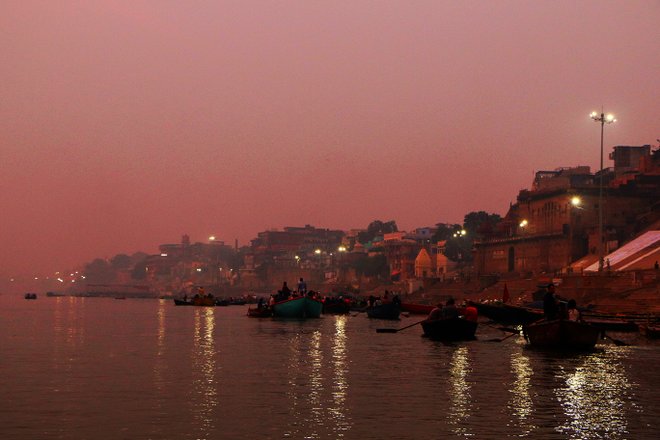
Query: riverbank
(620,292)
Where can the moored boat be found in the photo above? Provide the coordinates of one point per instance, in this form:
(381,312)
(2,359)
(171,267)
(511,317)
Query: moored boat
(336,306)
(650,331)
(384,311)
(562,334)
(449,329)
(508,314)
(417,309)
(182,302)
(300,307)
(30,296)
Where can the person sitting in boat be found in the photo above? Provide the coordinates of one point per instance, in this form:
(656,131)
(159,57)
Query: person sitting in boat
(271,301)
(261,303)
(572,311)
(436,313)
(450,310)
(471,313)
(378,302)
(550,304)
(396,300)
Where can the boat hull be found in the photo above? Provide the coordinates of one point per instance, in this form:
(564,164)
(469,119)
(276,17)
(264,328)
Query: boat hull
(262,312)
(299,308)
(562,335)
(450,329)
(508,314)
(384,311)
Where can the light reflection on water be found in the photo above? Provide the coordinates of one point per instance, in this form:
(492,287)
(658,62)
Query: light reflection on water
(337,412)
(203,371)
(595,397)
(520,403)
(460,392)
(107,369)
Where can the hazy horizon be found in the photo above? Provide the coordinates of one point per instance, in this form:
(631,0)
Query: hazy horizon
(128,124)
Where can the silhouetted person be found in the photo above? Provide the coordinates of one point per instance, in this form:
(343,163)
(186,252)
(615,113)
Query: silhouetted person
(450,310)
(302,287)
(550,308)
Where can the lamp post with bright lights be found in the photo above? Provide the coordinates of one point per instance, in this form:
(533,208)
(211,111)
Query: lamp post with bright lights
(523,224)
(603,119)
(576,203)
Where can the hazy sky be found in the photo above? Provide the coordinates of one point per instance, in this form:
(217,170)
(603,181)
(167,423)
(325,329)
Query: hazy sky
(126,124)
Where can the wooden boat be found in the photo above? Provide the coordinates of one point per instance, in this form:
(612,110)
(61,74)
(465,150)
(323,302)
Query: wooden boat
(450,329)
(182,302)
(204,301)
(508,314)
(336,306)
(384,311)
(301,307)
(417,309)
(30,296)
(259,312)
(650,331)
(562,334)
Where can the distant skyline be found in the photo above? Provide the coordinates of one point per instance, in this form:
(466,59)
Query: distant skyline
(127,124)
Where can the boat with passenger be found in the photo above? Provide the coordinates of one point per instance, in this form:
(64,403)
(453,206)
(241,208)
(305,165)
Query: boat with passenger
(562,334)
(299,307)
(450,329)
(384,311)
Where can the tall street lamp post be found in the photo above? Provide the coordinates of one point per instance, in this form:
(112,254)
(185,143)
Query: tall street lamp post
(523,224)
(603,119)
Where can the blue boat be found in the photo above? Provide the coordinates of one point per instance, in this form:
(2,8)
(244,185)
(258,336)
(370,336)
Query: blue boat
(300,307)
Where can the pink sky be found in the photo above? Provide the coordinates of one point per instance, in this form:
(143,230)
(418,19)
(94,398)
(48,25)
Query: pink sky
(126,124)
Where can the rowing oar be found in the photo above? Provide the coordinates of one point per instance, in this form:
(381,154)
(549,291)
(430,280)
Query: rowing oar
(617,342)
(394,330)
(503,339)
(504,329)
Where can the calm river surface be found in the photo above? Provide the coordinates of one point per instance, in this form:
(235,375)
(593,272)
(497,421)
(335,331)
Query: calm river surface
(90,368)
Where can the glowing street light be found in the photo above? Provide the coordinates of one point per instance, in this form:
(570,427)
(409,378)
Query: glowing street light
(212,238)
(576,202)
(317,251)
(341,249)
(603,119)
(523,224)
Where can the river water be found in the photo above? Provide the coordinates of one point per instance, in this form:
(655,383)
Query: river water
(93,368)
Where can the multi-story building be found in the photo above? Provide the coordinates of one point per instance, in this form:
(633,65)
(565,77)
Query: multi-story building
(556,222)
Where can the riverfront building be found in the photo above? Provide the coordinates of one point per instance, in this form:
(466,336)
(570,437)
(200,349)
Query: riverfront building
(554,225)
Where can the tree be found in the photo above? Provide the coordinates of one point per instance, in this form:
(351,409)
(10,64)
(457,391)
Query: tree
(139,270)
(479,223)
(372,266)
(376,228)
(121,261)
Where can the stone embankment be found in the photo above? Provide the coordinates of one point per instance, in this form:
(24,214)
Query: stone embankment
(621,292)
